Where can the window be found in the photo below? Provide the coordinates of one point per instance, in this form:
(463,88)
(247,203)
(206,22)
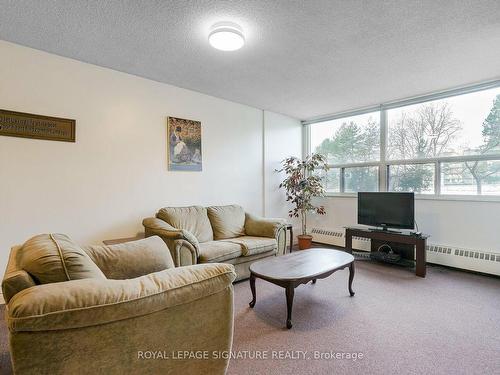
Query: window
(418,178)
(361,179)
(349,139)
(472,177)
(445,144)
(457,126)
(331,179)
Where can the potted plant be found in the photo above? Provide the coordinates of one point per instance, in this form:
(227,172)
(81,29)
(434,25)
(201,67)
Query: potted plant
(302,185)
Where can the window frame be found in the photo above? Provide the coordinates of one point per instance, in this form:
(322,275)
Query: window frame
(383,164)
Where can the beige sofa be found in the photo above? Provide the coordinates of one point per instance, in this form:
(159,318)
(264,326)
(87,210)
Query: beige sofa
(226,234)
(118,309)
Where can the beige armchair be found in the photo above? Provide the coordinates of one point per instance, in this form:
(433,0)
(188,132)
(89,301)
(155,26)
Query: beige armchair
(225,234)
(121,309)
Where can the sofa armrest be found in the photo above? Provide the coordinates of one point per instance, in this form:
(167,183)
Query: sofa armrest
(91,302)
(154,226)
(263,227)
(14,282)
(15,278)
(185,253)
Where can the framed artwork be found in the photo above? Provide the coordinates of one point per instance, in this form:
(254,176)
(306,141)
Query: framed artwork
(28,125)
(184,144)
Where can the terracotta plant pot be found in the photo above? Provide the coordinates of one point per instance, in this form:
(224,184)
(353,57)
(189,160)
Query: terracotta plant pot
(305,241)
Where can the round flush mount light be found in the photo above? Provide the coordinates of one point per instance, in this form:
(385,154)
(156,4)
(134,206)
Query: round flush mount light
(226,36)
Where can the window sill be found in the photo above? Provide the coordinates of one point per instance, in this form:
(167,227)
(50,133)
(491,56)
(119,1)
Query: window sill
(433,197)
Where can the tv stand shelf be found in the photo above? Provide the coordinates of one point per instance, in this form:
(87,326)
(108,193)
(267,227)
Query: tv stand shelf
(419,243)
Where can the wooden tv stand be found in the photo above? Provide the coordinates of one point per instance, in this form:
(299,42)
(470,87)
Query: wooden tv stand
(419,242)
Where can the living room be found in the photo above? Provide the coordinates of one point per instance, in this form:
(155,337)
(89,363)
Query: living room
(151,154)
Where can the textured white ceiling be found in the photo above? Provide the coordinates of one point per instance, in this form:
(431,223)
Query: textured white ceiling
(302,58)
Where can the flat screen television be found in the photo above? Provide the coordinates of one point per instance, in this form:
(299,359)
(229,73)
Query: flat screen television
(387,210)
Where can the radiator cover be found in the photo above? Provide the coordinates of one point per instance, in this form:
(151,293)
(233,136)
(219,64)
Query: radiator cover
(468,259)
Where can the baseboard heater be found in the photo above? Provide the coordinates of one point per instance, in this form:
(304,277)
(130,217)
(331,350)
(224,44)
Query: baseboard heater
(468,259)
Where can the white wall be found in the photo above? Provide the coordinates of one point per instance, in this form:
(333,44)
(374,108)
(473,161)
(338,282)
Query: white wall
(116,174)
(465,224)
(283,138)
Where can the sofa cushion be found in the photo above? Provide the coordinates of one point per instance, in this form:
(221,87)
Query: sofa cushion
(51,258)
(194,219)
(251,245)
(131,259)
(219,251)
(227,221)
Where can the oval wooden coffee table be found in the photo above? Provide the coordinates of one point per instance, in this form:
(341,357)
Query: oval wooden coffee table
(291,270)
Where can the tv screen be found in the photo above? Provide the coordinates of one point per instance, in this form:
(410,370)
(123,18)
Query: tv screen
(395,210)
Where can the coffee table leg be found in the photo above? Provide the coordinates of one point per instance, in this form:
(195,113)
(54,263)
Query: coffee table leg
(351,277)
(252,287)
(289,304)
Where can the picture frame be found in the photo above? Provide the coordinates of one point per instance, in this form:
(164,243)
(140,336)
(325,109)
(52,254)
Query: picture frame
(184,145)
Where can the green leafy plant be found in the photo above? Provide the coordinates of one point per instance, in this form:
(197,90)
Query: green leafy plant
(302,184)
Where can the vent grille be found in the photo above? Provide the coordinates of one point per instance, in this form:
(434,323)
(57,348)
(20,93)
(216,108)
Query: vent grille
(467,253)
(361,239)
(439,249)
(327,232)
(336,234)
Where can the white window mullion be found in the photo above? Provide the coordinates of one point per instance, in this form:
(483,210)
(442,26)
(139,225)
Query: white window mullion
(437,178)
(306,141)
(382,169)
(342,180)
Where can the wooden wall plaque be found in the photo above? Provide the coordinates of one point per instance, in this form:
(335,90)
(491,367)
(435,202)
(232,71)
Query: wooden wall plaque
(27,125)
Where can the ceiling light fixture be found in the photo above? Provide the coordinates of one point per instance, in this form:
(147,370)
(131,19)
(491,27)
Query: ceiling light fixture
(226,36)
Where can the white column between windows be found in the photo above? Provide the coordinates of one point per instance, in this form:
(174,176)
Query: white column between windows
(382,169)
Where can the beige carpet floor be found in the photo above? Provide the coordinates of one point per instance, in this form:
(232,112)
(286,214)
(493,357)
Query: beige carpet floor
(447,323)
